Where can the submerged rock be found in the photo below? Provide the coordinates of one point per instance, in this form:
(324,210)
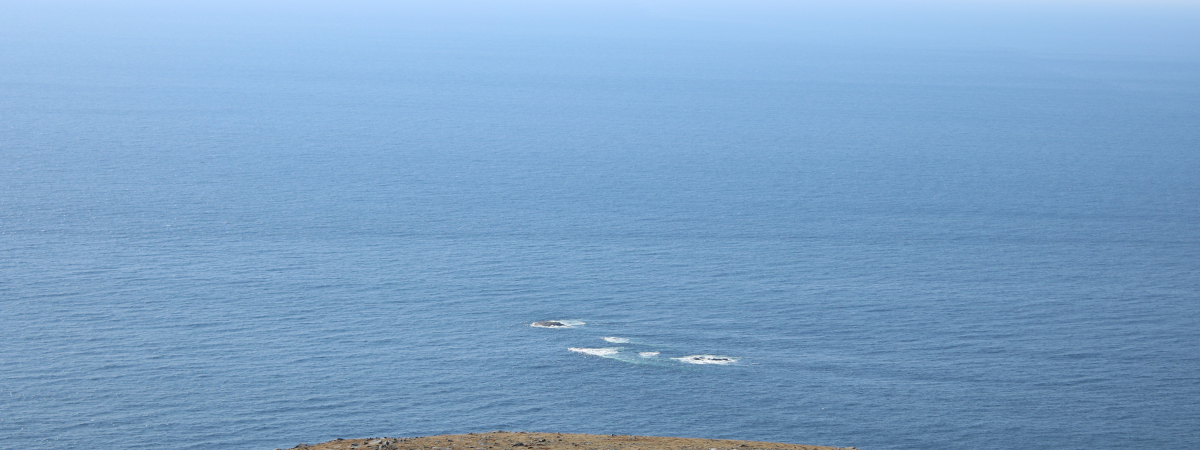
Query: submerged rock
(706,359)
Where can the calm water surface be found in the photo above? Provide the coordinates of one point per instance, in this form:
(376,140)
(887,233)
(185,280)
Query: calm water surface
(254,240)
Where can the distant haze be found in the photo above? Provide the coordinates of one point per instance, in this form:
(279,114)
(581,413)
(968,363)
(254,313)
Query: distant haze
(1096,27)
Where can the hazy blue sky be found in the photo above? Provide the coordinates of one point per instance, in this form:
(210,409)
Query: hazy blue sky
(1155,27)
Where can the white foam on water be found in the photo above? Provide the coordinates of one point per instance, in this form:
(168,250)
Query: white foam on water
(648,354)
(609,351)
(557,323)
(617,340)
(706,359)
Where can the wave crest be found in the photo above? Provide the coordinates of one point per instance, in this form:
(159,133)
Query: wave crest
(607,351)
(557,323)
(706,359)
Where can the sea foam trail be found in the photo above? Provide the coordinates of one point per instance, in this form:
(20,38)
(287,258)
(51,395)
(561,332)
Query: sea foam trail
(617,340)
(608,351)
(557,323)
(706,359)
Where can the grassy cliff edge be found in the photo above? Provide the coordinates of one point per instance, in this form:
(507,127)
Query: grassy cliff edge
(520,440)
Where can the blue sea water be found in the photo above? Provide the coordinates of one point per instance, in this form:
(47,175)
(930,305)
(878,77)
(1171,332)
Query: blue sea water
(224,234)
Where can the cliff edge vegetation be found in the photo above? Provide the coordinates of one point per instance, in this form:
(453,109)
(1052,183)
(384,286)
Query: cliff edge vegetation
(507,440)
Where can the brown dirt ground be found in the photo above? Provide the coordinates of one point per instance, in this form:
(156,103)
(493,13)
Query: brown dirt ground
(507,440)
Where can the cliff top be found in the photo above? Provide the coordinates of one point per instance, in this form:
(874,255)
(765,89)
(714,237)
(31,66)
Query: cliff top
(507,440)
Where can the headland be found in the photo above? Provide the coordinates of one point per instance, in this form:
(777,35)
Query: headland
(520,440)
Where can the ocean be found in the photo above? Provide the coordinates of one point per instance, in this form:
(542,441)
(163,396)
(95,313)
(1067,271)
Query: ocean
(234,232)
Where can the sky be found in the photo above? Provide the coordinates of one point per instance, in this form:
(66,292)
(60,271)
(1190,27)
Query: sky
(1146,28)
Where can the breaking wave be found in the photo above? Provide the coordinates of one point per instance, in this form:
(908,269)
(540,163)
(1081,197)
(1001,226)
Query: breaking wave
(609,351)
(557,323)
(706,359)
